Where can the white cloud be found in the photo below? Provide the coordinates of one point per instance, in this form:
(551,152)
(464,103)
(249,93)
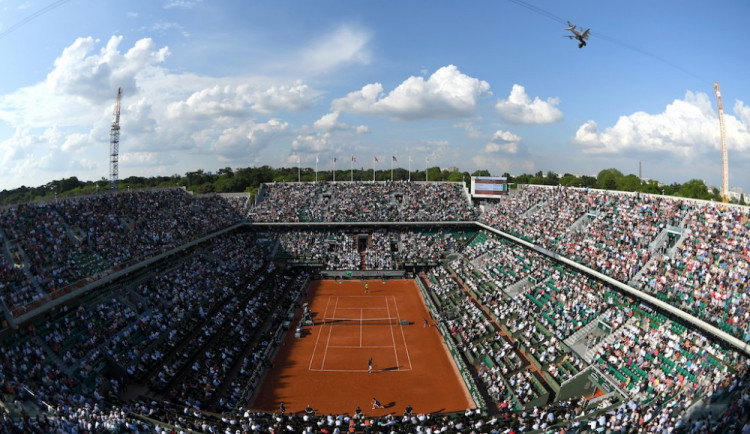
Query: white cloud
(344,46)
(95,77)
(447,93)
(226,101)
(505,136)
(311,144)
(501,164)
(162,26)
(686,128)
(329,122)
(242,141)
(181,4)
(743,112)
(520,109)
(236,100)
(167,118)
(504,152)
(472,131)
(504,142)
(146,159)
(295,97)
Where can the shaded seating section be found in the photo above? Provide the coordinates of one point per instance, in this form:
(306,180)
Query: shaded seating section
(74,239)
(384,249)
(15,288)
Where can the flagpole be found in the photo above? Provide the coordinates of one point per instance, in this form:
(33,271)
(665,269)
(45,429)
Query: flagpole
(373,167)
(299,174)
(392,157)
(334,170)
(426,176)
(316,169)
(351,169)
(409,168)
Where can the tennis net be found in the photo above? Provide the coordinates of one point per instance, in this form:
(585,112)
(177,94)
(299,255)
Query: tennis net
(363,321)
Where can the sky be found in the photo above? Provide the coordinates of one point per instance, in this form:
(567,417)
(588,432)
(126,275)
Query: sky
(477,85)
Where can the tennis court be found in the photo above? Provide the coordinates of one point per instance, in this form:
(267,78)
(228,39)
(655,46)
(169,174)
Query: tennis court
(356,329)
(327,367)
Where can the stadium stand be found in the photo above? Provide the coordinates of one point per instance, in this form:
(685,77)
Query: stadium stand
(195,332)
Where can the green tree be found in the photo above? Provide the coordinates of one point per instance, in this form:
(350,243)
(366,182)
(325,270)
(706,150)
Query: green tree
(694,189)
(629,183)
(570,180)
(435,174)
(607,179)
(455,177)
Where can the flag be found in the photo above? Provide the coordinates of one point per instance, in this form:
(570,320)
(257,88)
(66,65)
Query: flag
(334,159)
(354,158)
(376,159)
(394,159)
(316,159)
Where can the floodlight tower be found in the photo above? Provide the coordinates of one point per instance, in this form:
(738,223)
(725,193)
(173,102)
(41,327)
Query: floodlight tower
(114,145)
(724,155)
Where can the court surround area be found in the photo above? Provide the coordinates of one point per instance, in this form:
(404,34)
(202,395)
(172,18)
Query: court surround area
(328,367)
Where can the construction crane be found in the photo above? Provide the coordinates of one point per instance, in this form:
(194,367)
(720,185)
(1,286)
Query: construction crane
(114,145)
(724,155)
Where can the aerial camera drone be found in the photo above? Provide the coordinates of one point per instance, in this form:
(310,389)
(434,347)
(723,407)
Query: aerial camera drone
(577,34)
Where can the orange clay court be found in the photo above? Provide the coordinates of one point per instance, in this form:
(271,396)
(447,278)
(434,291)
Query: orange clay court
(328,366)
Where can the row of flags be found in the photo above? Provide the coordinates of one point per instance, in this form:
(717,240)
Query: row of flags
(354,159)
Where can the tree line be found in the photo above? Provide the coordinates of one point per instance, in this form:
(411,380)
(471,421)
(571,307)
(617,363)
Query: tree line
(249,179)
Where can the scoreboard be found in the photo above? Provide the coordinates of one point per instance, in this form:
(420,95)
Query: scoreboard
(488,187)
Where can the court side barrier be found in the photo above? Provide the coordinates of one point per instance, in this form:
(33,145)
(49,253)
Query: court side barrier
(462,368)
(357,274)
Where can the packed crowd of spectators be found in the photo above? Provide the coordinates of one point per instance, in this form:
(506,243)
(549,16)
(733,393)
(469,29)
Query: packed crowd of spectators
(196,332)
(74,239)
(336,250)
(662,365)
(383,249)
(196,321)
(363,201)
(709,273)
(625,236)
(15,288)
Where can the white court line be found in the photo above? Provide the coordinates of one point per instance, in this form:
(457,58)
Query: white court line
(403,336)
(320,332)
(328,342)
(358,370)
(361,312)
(361,346)
(393,338)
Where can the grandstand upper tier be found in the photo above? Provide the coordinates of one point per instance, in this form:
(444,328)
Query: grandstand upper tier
(363,202)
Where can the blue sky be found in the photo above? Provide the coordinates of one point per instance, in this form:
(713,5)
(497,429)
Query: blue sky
(479,85)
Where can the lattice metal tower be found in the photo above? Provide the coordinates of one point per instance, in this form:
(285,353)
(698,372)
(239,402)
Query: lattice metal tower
(724,155)
(114,145)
